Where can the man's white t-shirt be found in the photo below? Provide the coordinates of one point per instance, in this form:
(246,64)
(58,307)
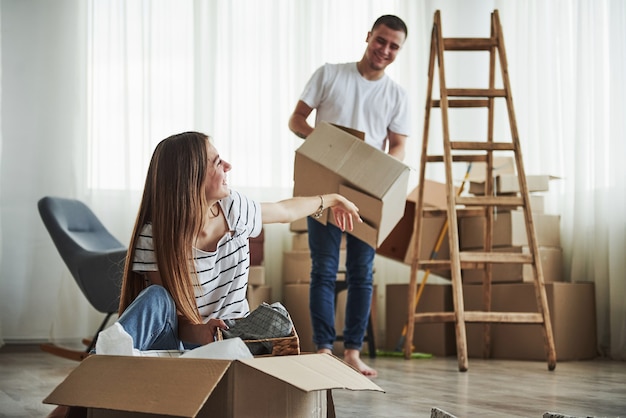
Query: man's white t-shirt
(342,96)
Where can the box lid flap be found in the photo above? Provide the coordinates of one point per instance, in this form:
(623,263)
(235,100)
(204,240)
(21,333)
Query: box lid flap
(137,384)
(311,372)
(336,150)
(435,194)
(501,165)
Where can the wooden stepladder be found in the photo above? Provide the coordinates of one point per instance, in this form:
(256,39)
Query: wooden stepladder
(468,152)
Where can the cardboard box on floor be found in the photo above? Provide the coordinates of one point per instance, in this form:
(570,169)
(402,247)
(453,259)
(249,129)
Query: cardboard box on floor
(296,301)
(551,265)
(297,265)
(256,295)
(509,183)
(506,180)
(334,160)
(501,166)
(280,386)
(437,339)
(572,313)
(509,229)
(399,244)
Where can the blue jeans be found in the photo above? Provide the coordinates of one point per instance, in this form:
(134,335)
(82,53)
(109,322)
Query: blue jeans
(152,321)
(324,244)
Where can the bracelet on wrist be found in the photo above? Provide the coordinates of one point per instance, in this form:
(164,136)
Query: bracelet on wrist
(318,213)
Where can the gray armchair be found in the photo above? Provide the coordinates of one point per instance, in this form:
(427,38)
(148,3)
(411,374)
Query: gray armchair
(94,257)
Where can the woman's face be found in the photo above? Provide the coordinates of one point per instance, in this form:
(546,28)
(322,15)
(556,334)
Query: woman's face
(216,180)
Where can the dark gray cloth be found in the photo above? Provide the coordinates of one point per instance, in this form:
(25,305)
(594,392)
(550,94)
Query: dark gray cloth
(266,321)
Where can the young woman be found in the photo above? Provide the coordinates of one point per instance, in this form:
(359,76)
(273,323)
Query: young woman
(188,258)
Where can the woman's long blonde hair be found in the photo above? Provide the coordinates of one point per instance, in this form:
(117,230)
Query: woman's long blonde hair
(174,202)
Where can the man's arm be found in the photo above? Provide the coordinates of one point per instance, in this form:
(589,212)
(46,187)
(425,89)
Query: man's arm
(297,121)
(397,145)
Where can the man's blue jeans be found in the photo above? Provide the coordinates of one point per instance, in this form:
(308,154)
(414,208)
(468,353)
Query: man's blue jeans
(152,321)
(324,244)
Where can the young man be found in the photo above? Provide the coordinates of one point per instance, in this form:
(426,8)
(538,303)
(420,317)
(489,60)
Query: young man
(361,96)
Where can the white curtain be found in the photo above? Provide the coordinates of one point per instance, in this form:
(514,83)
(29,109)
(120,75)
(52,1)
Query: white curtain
(568,61)
(134,72)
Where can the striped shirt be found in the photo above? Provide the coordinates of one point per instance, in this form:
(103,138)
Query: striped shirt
(222,274)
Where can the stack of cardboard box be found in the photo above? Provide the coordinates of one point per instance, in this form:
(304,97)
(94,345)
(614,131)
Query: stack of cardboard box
(258,291)
(509,227)
(296,279)
(572,305)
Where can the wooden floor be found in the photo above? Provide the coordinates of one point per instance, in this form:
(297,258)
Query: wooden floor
(490,388)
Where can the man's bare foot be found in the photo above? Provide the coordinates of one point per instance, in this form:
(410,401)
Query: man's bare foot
(353,358)
(324,351)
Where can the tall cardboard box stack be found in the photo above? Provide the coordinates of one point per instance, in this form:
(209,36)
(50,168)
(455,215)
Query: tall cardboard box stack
(509,227)
(572,313)
(571,305)
(296,281)
(258,291)
(434,338)
(437,339)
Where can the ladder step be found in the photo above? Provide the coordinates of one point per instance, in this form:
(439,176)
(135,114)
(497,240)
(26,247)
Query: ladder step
(515,317)
(482,146)
(438,212)
(496,258)
(515,201)
(482,316)
(477,260)
(458,158)
(469,44)
(463,103)
(476,92)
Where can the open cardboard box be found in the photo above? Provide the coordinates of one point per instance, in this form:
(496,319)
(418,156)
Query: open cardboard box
(285,386)
(400,242)
(334,159)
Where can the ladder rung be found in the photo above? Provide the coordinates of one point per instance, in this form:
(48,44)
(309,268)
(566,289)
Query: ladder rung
(430,212)
(515,317)
(444,265)
(476,92)
(458,158)
(490,201)
(468,44)
(463,103)
(496,258)
(482,146)
(481,316)
(435,317)
(435,264)
(478,262)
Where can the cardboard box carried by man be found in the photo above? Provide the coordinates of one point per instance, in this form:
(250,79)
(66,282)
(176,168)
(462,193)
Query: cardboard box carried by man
(334,159)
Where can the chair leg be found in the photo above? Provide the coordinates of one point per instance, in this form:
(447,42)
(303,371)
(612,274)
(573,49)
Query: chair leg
(371,342)
(102,325)
(67,353)
(75,355)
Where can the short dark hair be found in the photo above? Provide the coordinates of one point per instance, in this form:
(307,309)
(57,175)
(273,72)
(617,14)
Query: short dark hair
(392,22)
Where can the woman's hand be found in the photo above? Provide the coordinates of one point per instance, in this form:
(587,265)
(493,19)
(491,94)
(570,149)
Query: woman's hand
(213,324)
(344,211)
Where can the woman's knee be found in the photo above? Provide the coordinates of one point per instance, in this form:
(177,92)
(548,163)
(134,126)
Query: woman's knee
(157,297)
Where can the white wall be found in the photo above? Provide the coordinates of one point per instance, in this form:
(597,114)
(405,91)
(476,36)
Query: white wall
(43,115)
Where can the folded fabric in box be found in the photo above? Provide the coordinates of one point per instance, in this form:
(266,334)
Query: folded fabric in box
(266,321)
